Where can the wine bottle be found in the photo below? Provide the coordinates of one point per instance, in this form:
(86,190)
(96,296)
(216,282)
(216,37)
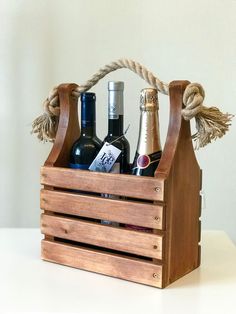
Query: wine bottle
(116,133)
(148,153)
(116,126)
(85,149)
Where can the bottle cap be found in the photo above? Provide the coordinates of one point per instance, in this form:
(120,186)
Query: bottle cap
(115,99)
(148,99)
(116,85)
(88,96)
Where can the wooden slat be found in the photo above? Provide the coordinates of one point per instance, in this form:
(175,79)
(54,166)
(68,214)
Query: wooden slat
(119,184)
(120,239)
(103,263)
(136,213)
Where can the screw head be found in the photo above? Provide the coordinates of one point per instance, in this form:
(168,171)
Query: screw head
(157,189)
(155,247)
(155,275)
(157,218)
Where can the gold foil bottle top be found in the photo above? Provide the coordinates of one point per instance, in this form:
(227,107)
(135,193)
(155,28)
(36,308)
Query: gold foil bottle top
(148,99)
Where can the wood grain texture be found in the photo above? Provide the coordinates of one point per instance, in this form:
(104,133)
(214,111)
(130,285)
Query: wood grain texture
(117,184)
(103,263)
(140,243)
(182,186)
(68,129)
(127,212)
(175,188)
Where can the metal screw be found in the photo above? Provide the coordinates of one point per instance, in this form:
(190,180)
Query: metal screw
(155,275)
(157,218)
(155,247)
(157,189)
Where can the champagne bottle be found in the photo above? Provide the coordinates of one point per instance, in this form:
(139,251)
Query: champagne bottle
(116,132)
(148,151)
(85,149)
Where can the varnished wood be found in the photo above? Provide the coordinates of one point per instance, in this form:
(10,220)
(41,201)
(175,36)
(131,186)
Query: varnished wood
(181,195)
(68,129)
(103,263)
(174,190)
(144,244)
(118,184)
(122,211)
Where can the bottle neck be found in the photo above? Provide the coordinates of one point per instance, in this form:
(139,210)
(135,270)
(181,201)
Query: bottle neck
(149,135)
(88,130)
(88,115)
(116,126)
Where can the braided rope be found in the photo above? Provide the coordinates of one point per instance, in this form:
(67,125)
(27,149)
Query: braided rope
(210,122)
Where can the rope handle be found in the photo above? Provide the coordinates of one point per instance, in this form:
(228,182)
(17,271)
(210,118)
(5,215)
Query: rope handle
(211,123)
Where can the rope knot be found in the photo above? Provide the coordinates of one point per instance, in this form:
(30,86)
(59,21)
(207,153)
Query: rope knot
(211,123)
(193,98)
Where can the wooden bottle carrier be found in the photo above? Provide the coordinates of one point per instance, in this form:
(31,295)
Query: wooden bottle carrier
(169,203)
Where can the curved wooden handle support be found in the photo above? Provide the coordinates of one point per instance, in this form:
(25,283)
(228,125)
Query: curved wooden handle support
(182,182)
(179,133)
(68,129)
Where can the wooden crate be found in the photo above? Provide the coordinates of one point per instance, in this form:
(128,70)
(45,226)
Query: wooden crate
(168,203)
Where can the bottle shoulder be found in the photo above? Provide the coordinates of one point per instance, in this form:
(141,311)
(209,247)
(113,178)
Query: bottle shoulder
(87,142)
(87,139)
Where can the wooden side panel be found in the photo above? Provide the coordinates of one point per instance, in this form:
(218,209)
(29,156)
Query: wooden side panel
(107,264)
(119,184)
(182,197)
(136,213)
(140,243)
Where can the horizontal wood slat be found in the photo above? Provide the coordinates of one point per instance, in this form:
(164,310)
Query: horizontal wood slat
(119,184)
(140,214)
(103,263)
(120,239)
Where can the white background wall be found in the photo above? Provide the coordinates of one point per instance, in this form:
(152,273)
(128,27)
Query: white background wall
(44,43)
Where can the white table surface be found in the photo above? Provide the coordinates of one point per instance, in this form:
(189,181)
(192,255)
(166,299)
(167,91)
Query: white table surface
(30,285)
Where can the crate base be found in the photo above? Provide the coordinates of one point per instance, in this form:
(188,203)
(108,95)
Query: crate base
(110,264)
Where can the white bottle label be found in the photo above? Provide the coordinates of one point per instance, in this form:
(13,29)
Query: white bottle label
(105,159)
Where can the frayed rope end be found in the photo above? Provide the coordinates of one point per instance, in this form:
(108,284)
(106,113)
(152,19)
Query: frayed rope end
(211,124)
(45,126)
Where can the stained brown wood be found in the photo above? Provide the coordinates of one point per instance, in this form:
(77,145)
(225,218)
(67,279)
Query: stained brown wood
(118,184)
(68,128)
(103,263)
(127,212)
(175,188)
(182,187)
(135,242)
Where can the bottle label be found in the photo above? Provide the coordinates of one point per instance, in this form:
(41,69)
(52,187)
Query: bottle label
(105,159)
(143,161)
(79,166)
(146,164)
